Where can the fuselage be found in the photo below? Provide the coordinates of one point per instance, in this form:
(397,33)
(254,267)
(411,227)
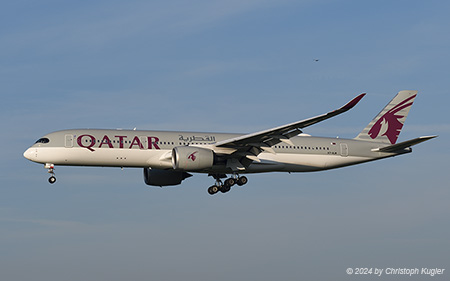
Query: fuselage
(153,149)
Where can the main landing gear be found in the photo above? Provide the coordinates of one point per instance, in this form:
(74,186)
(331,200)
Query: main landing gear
(51,170)
(226,186)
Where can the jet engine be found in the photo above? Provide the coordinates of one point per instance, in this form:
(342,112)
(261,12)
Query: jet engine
(190,158)
(157,177)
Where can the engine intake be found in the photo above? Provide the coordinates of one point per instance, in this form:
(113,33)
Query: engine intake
(189,158)
(157,177)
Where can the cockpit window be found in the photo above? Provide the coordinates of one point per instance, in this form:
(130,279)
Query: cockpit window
(43,140)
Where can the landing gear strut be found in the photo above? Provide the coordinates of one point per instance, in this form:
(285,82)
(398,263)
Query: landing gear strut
(226,186)
(51,170)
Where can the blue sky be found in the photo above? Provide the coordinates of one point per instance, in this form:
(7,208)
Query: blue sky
(228,66)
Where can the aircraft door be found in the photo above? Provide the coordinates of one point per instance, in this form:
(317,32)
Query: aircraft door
(69,141)
(344,150)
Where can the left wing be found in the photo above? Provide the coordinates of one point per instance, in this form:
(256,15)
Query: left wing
(252,144)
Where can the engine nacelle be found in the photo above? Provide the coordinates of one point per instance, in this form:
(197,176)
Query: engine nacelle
(190,158)
(157,177)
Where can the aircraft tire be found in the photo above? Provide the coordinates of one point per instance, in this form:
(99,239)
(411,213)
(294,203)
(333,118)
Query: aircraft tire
(225,188)
(213,190)
(52,180)
(230,182)
(242,180)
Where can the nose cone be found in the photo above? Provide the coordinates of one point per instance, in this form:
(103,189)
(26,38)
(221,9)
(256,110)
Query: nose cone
(30,154)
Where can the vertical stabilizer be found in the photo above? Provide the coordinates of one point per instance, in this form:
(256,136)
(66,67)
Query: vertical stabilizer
(387,125)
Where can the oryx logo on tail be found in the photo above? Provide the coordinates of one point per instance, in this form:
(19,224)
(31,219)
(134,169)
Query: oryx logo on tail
(386,126)
(391,123)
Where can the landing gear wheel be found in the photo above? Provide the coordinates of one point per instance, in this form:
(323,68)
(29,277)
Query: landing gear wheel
(225,188)
(230,182)
(242,180)
(51,171)
(213,190)
(52,180)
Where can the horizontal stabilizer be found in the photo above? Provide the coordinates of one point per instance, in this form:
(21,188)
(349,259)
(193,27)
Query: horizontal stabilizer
(400,146)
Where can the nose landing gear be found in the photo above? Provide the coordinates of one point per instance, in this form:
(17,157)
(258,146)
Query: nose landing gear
(226,186)
(51,170)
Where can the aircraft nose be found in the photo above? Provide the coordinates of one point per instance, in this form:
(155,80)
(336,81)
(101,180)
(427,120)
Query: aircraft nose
(30,153)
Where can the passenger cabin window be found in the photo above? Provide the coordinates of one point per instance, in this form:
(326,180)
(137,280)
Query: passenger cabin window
(43,140)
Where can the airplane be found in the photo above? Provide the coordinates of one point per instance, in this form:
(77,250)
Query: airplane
(168,158)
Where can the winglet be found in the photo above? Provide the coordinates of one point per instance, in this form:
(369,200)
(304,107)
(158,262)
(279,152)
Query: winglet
(353,102)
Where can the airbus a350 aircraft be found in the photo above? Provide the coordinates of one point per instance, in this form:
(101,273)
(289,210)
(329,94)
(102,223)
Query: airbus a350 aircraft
(168,157)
